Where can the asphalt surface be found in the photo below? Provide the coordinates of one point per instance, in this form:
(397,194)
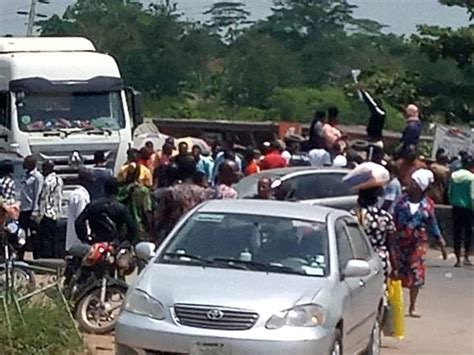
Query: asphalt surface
(446,304)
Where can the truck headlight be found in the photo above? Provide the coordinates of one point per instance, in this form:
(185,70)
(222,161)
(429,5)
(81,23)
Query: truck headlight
(140,302)
(308,315)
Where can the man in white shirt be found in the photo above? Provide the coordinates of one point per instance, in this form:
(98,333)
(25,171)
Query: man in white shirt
(319,157)
(50,210)
(78,200)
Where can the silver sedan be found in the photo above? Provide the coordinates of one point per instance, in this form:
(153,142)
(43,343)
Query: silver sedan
(256,277)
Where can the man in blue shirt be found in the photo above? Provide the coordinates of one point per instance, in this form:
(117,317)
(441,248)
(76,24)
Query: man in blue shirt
(100,174)
(32,184)
(411,134)
(203,164)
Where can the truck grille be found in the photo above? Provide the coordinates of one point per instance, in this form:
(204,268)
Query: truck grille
(215,317)
(67,171)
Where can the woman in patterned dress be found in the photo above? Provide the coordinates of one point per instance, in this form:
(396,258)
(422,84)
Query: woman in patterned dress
(377,223)
(415,218)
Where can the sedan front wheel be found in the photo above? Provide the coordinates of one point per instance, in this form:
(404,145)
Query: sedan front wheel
(375,339)
(337,345)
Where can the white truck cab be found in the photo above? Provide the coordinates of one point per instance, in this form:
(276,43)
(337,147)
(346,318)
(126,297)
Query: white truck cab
(62,100)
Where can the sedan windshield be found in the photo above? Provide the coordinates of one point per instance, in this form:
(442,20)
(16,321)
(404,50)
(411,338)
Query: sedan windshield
(250,242)
(84,111)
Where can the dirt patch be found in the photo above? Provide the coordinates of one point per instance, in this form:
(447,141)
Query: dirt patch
(99,344)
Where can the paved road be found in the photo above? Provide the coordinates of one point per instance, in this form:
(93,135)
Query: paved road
(447,307)
(446,326)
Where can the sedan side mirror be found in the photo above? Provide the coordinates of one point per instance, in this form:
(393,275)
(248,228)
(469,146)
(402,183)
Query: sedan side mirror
(356,268)
(145,251)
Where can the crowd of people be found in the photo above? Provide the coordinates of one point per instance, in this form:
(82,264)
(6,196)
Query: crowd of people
(154,188)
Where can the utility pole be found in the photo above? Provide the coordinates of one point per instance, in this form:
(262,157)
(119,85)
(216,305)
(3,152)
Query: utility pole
(32,15)
(31,18)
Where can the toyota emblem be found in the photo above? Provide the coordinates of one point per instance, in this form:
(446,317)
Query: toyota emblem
(215,314)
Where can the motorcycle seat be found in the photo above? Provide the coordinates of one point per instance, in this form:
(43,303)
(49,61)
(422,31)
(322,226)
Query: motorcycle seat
(56,264)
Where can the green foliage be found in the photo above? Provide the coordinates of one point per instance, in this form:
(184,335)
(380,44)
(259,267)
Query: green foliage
(228,19)
(47,330)
(445,45)
(299,104)
(285,104)
(256,65)
(440,42)
(282,67)
(299,20)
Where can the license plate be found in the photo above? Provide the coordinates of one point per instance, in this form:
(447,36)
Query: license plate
(209,349)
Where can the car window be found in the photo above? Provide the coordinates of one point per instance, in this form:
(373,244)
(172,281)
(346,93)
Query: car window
(344,249)
(279,243)
(359,242)
(320,185)
(247,187)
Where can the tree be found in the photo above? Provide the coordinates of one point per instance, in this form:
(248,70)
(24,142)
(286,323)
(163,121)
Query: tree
(228,19)
(256,65)
(296,22)
(439,42)
(105,22)
(151,45)
(458,45)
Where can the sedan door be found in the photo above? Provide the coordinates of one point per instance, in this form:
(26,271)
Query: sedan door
(370,292)
(351,314)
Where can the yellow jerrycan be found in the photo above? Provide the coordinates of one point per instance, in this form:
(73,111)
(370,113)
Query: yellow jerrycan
(395,317)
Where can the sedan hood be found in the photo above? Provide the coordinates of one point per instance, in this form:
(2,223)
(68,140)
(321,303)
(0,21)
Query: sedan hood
(172,284)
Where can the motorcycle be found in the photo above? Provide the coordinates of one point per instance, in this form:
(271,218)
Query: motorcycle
(96,285)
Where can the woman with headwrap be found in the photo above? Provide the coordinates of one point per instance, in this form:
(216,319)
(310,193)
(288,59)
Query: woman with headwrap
(368,179)
(377,223)
(415,218)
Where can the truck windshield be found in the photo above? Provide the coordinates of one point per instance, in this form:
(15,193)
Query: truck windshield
(85,111)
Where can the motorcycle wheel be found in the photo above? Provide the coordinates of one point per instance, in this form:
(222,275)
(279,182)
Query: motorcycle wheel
(24,281)
(95,318)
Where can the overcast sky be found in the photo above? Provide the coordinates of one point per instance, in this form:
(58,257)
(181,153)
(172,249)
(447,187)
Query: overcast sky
(401,16)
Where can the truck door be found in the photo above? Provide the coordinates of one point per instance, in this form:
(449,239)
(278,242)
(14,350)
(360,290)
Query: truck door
(5,120)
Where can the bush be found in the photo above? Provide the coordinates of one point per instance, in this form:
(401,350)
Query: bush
(45,329)
(289,104)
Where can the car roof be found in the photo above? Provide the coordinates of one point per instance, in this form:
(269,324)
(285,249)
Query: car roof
(300,169)
(291,210)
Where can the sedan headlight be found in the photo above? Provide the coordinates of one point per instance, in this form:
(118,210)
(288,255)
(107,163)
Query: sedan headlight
(140,302)
(308,315)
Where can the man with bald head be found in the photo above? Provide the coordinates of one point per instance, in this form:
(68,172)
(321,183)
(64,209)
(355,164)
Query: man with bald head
(412,132)
(264,189)
(227,175)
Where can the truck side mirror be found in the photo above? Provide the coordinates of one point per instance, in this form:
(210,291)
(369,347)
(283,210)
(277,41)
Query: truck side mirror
(136,105)
(19,99)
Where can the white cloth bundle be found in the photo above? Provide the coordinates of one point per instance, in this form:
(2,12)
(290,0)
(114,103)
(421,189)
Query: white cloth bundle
(423,178)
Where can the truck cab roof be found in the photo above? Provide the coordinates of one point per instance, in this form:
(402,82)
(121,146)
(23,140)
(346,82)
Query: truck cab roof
(45,44)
